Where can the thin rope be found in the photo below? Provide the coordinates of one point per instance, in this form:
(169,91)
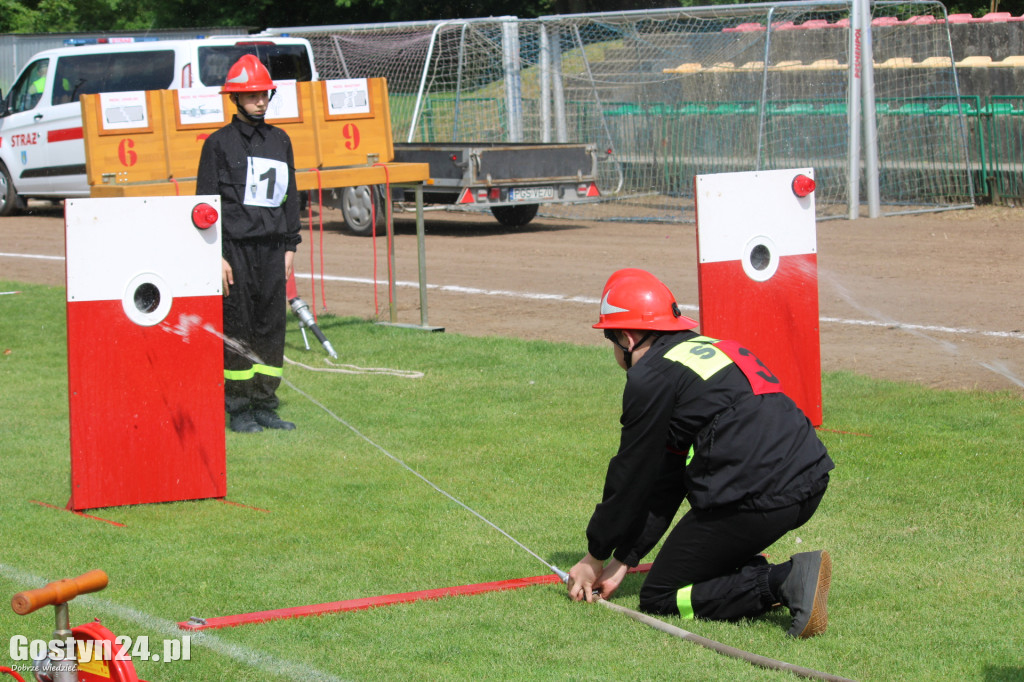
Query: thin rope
(312,268)
(373,244)
(390,229)
(421,476)
(320,212)
(390,241)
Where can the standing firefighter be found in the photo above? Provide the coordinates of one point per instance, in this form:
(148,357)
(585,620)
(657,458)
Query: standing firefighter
(705,420)
(251,166)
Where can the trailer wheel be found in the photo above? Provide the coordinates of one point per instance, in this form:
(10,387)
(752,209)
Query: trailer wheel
(357,207)
(9,201)
(515,216)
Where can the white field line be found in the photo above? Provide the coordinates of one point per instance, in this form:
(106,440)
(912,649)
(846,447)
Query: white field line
(30,255)
(169,629)
(589,300)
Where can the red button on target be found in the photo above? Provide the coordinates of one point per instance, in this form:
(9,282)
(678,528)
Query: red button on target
(204,216)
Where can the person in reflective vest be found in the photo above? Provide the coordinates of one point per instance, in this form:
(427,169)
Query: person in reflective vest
(705,420)
(250,164)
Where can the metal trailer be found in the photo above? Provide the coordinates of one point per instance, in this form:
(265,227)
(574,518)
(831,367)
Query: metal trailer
(510,180)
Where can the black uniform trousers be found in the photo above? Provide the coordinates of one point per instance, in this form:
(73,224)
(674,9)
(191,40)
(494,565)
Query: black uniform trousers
(711,567)
(254,324)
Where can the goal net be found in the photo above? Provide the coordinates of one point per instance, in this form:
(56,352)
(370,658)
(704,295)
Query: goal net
(669,94)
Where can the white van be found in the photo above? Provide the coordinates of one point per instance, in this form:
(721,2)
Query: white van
(42,153)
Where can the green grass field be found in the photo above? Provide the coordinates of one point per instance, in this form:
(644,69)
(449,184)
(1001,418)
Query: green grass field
(922,518)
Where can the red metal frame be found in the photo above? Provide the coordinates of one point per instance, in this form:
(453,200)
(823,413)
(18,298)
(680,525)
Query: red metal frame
(116,670)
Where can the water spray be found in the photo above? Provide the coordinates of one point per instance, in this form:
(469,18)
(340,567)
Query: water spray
(919,331)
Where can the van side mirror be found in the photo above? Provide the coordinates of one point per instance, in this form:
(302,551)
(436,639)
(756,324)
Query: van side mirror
(3,104)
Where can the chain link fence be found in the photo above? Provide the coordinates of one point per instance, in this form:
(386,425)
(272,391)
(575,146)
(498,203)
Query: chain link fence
(669,94)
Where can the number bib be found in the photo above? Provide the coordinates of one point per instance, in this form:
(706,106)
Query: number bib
(266,182)
(707,356)
(760,378)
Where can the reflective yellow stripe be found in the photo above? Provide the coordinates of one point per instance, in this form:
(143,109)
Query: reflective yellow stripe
(699,355)
(689,456)
(268,370)
(683,603)
(244,374)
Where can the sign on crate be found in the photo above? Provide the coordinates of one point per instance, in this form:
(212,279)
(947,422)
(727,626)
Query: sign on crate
(148,143)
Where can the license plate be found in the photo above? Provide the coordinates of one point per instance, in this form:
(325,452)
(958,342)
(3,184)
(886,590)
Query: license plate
(531,194)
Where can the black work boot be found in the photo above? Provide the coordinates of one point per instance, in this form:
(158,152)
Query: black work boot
(270,420)
(805,592)
(245,422)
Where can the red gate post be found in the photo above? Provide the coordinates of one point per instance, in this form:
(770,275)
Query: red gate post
(145,350)
(757,273)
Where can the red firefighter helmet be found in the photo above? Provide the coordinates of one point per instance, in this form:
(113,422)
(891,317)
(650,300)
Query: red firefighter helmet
(636,299)
(248,75)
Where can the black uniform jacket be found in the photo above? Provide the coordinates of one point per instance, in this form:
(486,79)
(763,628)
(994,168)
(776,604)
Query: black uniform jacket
(223,165)
(692,426)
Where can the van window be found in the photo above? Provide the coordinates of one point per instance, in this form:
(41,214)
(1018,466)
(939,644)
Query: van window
(284,62)
(26,92)
(89,74)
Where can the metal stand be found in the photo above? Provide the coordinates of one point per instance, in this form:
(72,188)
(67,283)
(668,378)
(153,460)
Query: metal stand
(422,260)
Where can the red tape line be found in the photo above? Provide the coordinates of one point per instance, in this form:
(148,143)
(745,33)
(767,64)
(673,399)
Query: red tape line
(239,504)
(82,514)
(373,602)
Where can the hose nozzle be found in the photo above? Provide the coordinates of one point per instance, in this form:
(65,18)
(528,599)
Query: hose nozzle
(302,311)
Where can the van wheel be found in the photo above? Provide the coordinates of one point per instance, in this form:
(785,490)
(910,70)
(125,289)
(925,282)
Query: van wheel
(515,216)
(9,201)
(357,208)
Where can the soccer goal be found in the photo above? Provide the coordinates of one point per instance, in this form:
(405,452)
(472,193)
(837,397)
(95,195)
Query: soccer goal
(866,95)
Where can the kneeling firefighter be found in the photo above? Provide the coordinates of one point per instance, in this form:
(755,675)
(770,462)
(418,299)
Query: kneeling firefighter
(705,420)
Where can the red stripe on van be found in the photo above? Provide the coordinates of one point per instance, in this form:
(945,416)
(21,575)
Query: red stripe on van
(64,134)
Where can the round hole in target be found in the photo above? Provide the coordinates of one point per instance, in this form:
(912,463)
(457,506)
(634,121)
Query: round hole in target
(760,259)
(147,299)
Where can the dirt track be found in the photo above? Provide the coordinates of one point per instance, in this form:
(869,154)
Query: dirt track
(931,298)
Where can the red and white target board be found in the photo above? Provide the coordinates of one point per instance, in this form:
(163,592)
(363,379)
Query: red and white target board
(758,273)
(145,350)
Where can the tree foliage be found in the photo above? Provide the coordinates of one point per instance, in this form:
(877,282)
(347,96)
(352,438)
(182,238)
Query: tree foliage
(60,16)
(48,16)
